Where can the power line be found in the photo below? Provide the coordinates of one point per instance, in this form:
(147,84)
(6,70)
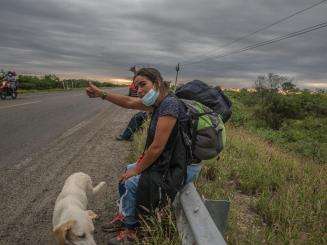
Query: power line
(274,40)
(255,32)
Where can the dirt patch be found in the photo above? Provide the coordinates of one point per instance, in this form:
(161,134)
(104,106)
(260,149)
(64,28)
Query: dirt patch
(246,217)
(29,190)
(246,224)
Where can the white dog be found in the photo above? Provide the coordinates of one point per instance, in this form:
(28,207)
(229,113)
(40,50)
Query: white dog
(72,223)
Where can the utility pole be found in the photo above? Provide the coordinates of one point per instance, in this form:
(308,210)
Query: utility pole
(177,70)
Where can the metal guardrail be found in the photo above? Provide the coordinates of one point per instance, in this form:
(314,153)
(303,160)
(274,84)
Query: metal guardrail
(200,222)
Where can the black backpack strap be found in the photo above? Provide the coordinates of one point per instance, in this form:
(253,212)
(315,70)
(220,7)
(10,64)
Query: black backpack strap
(147,141)
(194,129)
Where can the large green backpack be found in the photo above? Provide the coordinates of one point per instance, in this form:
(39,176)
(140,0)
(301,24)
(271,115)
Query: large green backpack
(208,134)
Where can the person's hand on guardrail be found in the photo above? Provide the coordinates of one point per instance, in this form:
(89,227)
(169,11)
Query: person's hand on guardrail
(93,91)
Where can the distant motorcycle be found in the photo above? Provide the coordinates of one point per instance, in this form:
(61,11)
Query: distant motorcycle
(7,90)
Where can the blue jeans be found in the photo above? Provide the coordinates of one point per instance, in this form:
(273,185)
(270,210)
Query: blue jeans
(127,193)
(193,171)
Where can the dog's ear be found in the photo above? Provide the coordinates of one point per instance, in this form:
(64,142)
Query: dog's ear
(91,214)
(60,231)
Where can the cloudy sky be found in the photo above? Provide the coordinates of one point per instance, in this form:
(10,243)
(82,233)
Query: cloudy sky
(103,38)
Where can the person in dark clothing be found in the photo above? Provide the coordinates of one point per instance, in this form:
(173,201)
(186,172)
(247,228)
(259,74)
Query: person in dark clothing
(137,120)
(161,171)
(134,124)
(132,88)
(10,77)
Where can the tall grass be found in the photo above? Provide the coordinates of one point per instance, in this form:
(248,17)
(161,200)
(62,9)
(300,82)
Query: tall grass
(277,197)
(159,228)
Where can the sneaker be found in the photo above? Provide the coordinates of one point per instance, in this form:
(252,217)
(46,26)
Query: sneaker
(124,237)
(120,138)
(115,224)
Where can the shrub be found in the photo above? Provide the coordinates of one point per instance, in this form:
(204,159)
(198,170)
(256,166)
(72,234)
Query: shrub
(52,81)
(239,116)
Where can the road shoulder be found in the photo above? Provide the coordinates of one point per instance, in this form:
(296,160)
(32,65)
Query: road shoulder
(29,191)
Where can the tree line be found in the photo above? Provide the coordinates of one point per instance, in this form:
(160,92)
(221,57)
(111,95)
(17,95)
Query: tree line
(51,81)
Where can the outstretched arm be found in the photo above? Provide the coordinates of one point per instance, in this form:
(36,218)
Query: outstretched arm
(118,99)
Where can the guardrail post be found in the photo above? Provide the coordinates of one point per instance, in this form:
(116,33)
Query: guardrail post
(194,222)
(218,210)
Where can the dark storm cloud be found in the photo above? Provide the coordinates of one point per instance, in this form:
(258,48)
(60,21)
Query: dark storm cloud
(105,37)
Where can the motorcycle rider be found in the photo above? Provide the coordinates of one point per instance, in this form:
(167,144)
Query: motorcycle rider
(9,85)
(11,78)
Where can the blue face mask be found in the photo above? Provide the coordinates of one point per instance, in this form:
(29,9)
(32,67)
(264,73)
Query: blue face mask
(150,98)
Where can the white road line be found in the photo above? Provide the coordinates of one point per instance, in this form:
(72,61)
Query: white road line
(74,129)
(81,125)
(10,106)
(80,94)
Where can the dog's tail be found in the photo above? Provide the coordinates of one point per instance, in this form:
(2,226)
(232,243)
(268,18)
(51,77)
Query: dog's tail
(99,187)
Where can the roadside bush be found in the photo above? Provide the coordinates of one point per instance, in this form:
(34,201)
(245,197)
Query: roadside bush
(33,82)
(27,86)
(313,104)
(307,136)
(275,110)
(239,116)
(296,121)
(53,82)
(248,98)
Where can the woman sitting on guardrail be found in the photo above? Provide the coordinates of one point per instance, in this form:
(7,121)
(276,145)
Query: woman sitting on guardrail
(161,170)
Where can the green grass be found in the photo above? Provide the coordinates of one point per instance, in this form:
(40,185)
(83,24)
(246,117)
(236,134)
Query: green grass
(277,197)
(281,196)
(306,136)
(159,229)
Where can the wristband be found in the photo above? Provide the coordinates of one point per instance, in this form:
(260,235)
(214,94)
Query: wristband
(138,168)
(140,158)
(104,95)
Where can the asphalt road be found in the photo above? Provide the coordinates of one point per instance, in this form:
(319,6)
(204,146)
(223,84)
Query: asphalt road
(44,139)
(33,120)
